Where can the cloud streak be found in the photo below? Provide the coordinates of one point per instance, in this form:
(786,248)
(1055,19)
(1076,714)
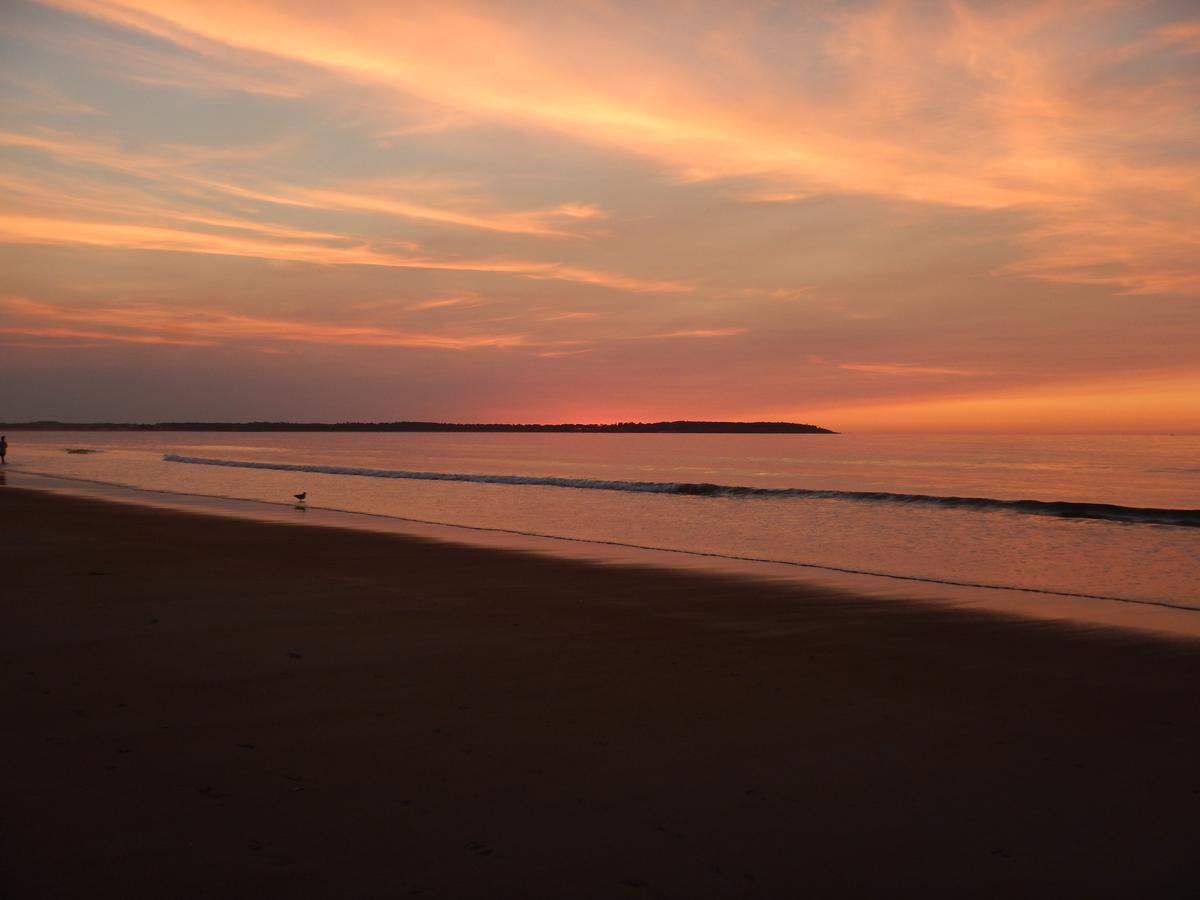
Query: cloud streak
(904,370)
(1007,109)
(403,198)
(28,229)
(157,324)
(698,333)
(174,166)
(384,198)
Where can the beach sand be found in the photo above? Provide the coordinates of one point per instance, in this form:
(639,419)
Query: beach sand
(208,707)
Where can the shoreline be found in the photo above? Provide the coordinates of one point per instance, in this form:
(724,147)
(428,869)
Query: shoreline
(1149,615)
(216,706)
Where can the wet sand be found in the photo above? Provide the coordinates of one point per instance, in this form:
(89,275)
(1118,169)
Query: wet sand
(208,707)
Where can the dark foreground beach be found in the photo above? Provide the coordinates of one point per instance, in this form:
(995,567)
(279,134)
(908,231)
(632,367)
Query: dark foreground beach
(209,707)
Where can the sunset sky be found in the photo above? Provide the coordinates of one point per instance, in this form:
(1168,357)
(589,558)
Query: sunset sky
(866,215)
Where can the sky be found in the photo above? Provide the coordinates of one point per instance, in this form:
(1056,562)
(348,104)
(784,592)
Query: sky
(926,216)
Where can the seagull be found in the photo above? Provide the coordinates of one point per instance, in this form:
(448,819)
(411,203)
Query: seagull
(301,496)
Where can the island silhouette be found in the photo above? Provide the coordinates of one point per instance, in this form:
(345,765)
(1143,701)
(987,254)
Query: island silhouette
(676,427)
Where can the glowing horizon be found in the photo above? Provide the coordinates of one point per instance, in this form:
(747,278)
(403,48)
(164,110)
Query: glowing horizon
(864,215)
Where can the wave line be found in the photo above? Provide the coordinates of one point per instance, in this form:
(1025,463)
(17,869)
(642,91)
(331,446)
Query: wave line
(1134,515)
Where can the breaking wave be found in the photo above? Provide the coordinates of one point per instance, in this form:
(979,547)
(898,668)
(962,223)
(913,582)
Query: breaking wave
(1060,508)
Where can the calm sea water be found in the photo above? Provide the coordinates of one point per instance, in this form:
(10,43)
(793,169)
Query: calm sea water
(1114,516)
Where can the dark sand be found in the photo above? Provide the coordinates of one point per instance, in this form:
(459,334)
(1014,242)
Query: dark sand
(208,707)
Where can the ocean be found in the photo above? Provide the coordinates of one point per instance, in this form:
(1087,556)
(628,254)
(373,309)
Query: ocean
(1073,519)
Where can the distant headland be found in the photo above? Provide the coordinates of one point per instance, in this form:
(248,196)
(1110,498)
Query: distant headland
(680,427)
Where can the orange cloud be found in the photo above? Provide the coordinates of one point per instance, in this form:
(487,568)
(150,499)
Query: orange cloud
(443,302)
(125,217)
(26,229)
(382,198)
(187,327)
(166,158)
(104,336)
(1183,37)
(905,370)
(556,354)
(421,199)
(699,333)
(1003,106)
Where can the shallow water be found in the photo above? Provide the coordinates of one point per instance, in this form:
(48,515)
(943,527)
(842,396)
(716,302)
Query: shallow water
(992,544)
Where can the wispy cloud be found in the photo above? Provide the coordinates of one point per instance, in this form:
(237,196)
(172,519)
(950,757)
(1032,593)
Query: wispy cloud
(904,370)
(19,229)
(28,95)
(558,354)
(443,303)
(388,197)
(1007,108)
(413,198)
(102,336)
(164,158)
(698,333)
(159,324)
(122,216)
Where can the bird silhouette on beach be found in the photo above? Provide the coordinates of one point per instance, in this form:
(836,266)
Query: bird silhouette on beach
(300,498)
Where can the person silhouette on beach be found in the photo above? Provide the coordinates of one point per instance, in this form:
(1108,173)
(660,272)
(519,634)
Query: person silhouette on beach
(3,449)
